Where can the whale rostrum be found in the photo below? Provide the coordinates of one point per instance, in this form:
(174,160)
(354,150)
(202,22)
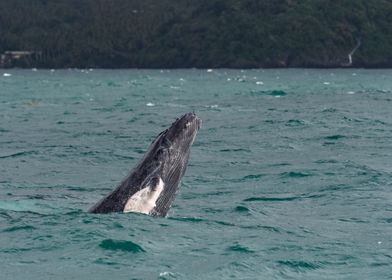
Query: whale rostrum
(151,187)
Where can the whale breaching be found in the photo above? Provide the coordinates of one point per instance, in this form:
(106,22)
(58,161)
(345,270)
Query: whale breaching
(151,187)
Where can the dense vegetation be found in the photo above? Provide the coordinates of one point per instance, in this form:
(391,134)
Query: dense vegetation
(202,33)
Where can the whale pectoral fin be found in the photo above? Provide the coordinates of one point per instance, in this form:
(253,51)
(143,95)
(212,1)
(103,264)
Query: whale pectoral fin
(144,200)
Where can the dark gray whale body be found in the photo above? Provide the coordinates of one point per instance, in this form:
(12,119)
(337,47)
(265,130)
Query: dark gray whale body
(150,188)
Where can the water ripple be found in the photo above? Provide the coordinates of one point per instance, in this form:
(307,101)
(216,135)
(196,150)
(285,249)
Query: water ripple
(121,245)
(299,265)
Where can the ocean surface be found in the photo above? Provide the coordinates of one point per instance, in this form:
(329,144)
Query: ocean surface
(290,176)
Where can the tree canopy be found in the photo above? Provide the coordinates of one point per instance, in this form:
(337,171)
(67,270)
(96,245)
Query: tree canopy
(203,33)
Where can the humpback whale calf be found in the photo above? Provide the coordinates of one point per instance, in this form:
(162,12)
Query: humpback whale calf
(151,187)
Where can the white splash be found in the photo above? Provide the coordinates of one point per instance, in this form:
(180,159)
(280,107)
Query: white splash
(144,200)
(351,92)
(259,83)
(149,104)
(326,83)
(7,75)
(209,70)
(165,274)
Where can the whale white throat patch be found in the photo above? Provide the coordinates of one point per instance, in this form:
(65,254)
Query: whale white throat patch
(144,200)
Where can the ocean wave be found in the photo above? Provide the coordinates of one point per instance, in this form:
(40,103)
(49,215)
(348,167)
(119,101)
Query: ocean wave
(121,245)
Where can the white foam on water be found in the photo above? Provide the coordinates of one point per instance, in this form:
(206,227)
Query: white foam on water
(209,70)
(175,105)
(351,92)
(166,274)
(7,75)
(259,83)
(326,83)
(149,104)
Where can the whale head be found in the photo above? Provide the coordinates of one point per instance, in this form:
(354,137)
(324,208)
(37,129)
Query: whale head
(177,140)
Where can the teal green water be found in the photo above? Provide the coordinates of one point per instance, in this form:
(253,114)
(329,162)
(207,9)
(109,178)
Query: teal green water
(290,176)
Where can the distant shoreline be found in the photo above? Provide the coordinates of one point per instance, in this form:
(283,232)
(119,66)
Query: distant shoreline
(196,68)
(233,34)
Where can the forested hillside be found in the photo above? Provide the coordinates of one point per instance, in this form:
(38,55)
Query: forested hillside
(202,33)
